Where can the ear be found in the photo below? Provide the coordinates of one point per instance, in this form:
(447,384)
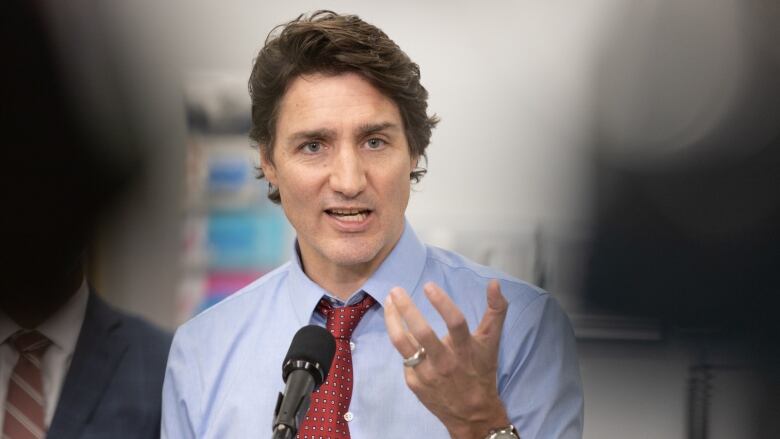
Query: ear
(269,170)
(413,163)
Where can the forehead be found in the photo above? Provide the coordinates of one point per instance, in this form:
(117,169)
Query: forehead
(334,102)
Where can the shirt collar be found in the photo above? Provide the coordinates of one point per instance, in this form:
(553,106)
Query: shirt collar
(63,327)
(403,267)
(7,327)
(304,293)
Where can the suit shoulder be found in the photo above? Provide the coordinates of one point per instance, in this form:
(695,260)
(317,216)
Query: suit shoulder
(142,329)
(142,335)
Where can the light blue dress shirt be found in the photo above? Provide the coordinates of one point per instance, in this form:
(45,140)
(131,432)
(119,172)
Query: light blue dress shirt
(225,366)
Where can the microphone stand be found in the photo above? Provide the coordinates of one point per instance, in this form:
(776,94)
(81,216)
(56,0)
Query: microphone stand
(312,346)
(283,432)
(292,405)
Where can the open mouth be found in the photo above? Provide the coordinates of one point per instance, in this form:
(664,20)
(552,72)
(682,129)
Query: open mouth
(349,215)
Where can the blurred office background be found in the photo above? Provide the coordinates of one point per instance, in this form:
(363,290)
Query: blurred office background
(623,155)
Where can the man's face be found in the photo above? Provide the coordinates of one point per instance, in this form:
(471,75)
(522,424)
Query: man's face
(341,162)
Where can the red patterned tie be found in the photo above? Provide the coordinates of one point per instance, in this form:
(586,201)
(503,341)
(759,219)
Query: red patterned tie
(24,404)
(328,413)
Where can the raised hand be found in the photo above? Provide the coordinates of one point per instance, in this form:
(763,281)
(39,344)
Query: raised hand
(456,377)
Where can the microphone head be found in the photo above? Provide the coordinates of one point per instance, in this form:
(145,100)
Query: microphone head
(312,348)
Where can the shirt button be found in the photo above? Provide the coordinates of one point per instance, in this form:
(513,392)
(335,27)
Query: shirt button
(352,345)
(348,416)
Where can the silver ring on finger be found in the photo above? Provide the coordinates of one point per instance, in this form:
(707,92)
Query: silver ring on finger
(416,358)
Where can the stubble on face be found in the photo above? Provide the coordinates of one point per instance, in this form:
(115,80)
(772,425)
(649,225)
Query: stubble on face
(342,165)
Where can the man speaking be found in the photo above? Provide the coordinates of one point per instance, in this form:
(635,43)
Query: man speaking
(429,344)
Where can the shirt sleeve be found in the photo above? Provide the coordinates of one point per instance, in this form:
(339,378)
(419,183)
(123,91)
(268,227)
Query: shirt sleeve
(180,393)
(539,377)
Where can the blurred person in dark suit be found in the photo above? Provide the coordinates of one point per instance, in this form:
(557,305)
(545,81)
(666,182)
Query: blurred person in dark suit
(70,365)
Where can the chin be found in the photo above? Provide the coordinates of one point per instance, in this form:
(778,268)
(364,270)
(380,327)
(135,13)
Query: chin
(354,254)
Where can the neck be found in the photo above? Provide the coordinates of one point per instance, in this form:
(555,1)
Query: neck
(340,281)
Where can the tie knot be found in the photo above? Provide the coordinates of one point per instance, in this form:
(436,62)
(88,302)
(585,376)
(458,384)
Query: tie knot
(30,342)
(341,322)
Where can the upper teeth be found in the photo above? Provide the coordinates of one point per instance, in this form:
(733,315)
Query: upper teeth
(349,215)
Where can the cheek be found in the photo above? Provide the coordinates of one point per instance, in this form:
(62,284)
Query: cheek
(398,187)
(293,193)
(405,196)
(298,209)
(298,193)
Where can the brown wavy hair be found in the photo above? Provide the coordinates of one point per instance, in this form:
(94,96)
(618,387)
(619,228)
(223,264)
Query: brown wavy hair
(328,43)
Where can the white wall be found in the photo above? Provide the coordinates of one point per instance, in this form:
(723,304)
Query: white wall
(510,80)
(634,390)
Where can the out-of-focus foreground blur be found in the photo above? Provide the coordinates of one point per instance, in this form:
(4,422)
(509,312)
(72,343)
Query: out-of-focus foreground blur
(625,156)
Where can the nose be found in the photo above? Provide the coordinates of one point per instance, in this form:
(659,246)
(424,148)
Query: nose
(348,174)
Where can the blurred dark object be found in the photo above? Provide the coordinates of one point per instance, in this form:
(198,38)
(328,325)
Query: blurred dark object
(687,205)
(696,246)
(67,152)
(687,189)
(63,156)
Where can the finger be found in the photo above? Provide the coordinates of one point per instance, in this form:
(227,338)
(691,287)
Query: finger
(453,317)
(395,329)
(412,379)
(493,319)
(412,340)
(416,322)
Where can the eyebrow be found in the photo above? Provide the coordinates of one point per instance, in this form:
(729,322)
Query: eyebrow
(325,133)
(372,128)
(322,133)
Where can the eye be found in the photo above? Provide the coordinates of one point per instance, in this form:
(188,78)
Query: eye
(375,143)
(311,147)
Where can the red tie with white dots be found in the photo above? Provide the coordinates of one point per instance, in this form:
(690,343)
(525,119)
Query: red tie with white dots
(328,412)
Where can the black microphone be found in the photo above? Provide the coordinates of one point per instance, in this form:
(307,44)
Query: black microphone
(304,369)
